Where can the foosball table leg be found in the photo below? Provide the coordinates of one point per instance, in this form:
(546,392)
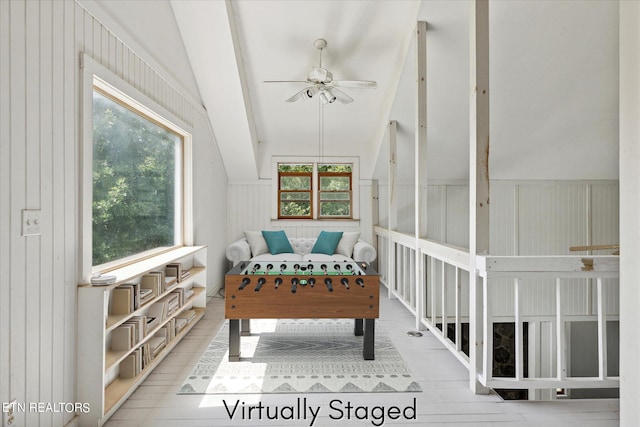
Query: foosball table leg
(369,339)
(245,327)
(234,340)
(358,329)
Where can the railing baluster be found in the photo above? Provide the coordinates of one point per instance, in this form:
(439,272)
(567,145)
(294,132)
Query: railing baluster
(561,362)
(391,271)
(602,330)
(444,300)
(458,293)
(406,280)
(487,331)
(412,278)
(400,271)
(397,253)
(518,329)
(433,291)
(422,302)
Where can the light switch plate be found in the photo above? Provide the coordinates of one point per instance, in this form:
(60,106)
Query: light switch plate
(30,222)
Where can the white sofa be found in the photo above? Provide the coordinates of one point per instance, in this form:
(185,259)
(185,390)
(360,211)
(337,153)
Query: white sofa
(241,251)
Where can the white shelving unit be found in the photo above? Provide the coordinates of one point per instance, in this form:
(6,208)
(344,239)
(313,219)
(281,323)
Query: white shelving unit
(98,378)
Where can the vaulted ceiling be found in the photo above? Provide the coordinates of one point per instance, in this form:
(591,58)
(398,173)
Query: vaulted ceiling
(236,46)
(554,80)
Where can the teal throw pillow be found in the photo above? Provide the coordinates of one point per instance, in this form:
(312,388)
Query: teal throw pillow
(327,242)
(277,242)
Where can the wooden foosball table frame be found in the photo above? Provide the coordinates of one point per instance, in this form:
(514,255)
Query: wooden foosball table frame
(301,296)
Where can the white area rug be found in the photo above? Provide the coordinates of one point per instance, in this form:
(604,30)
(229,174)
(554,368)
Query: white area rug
(300,356)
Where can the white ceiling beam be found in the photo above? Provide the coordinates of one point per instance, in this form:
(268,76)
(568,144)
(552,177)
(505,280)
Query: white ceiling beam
(209,35)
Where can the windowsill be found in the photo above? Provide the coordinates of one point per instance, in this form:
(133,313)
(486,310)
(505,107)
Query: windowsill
(127,272)
(316,222)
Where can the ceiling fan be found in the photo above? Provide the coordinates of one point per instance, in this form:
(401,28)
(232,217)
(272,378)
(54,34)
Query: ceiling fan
(321,83)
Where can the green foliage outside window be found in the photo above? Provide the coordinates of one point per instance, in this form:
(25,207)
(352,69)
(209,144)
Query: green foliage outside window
(295,182)
(335,196)
(290,167)
(295,190)
(334,192)
(134,180)
(334,168)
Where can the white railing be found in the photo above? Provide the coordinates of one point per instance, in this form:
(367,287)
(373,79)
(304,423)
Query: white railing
(396,264)
(544,293)
(593,279)
(443,278)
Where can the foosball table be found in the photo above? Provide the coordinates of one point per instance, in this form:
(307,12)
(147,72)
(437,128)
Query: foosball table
(301,290)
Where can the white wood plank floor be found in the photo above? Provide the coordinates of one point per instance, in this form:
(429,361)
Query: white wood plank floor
(445,401)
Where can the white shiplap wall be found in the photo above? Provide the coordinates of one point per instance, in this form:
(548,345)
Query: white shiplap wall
(40,42)
(546,218)
(250,204)
(527,217)
(447,211)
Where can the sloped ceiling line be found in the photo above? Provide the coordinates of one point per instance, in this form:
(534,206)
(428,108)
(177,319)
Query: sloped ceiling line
(206,30)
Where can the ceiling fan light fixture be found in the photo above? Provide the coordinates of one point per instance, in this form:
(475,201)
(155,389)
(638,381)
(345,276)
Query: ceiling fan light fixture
(327,96)
(311,92)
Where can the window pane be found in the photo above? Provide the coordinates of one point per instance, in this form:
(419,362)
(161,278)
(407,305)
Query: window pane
(295,183)
(134,182)
(289,167)
(334,168)
(295,196)
(335,196)
(335,209)
(295,209)
(334,183)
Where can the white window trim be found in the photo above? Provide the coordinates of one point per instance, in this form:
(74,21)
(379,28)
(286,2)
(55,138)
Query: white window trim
(94,73)
(355,190)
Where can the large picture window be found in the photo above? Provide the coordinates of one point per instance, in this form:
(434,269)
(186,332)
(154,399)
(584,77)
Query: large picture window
(315,190)
(137,180)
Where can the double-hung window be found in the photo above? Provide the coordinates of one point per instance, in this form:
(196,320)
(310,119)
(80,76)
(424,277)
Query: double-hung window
(315,191)
(295,196)
(334,191)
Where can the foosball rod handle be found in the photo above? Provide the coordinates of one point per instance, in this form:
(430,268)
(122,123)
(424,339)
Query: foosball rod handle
(244,283)
(329,284)
(261,281)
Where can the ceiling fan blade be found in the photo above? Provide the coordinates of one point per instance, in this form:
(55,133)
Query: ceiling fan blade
(286,81)
(364,84)
(341,96)
(305,93)
(297,96)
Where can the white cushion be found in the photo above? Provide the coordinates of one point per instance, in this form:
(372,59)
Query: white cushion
(256,242)
(347,242)
(302,245)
